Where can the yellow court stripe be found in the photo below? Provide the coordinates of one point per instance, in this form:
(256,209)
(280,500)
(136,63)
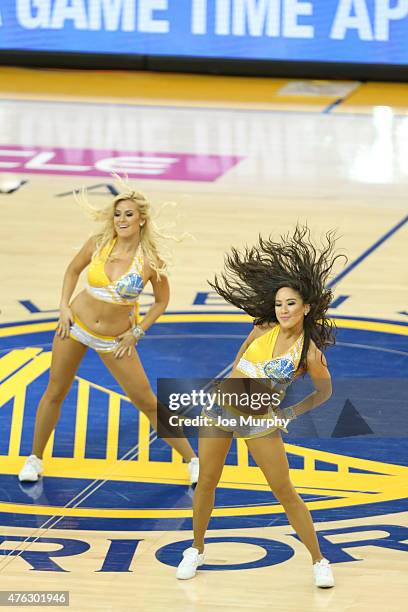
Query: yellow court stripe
(113,427)
(172,89)
(308,463)
(16,358)
(358,499)
(23,377)
(365,99)
(27,328)
(176,458)
(205,318)
(17,422)
(156,89)
(143,438)
(242,454)
(104,389)
(389,469)
(81,418)
(378,326)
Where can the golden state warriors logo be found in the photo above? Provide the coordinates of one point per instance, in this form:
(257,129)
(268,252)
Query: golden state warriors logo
(105,468)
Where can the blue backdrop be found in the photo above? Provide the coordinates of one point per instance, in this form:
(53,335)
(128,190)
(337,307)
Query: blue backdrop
(363,31)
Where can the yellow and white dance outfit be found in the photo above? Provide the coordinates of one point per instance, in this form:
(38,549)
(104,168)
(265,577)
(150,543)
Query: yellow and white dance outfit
(124,291)
(257,363)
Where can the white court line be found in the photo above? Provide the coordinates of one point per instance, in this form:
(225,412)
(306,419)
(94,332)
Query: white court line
(373,348)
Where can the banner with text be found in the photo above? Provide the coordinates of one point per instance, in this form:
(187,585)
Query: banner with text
(359,31)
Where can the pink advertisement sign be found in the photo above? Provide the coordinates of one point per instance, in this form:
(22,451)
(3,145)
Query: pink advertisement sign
(94,162)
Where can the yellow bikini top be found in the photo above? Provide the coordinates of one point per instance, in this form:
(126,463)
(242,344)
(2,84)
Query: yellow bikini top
(256,362)
(124,290)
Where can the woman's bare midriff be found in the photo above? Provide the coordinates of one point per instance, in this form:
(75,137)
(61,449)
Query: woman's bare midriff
(101,317)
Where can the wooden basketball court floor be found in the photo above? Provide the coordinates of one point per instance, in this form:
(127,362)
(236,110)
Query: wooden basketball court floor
(240,156)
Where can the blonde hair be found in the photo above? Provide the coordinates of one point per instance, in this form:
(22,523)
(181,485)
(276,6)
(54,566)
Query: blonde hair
(152,237)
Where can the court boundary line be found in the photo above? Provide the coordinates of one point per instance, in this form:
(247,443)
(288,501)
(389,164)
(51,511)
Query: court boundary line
(329,108)
(178,107)
(368,252)
(203,313)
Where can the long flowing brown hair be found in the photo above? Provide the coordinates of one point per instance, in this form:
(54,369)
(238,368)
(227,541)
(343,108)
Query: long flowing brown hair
(252,278)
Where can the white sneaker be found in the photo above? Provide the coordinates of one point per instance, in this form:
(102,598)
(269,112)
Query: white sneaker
(188,566)
(323,575)
(193,470)
(31,470)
